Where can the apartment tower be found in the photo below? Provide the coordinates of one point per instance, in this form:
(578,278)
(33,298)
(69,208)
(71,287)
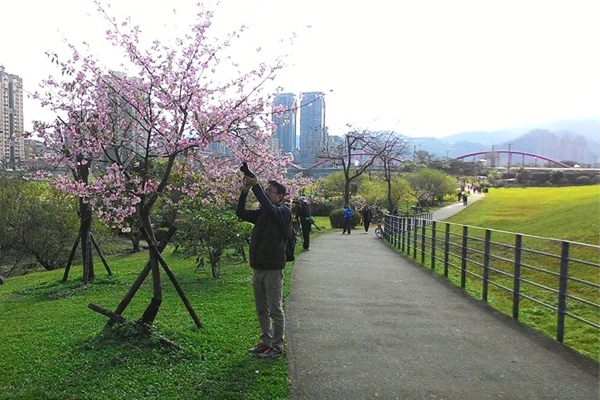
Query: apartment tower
(284,116)
(12,144)
(313,135)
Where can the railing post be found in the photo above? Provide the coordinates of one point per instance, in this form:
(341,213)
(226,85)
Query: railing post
(399,232)
(415,229)
(402,232)
(562,291)
(386,228)
(486,263)
(423,241)
(408,233)
(396,231)
(433,227)
(517,276)
(463,257)
(446,249)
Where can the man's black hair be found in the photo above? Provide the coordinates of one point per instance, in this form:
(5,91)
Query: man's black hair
(280,188)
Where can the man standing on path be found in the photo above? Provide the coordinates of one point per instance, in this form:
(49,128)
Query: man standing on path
(267,260)
(367,216)
(304,218)
(348,212)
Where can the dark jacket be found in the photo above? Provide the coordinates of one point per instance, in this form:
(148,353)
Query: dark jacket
(366,214)
(303,211)
(267,247)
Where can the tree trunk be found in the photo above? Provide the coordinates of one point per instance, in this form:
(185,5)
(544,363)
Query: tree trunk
(141,277)
(347,192)
(85,223)
(389,195)
(152,309)
(135,237)
(85,231)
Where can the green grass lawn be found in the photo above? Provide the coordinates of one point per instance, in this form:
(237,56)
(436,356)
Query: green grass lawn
(53,347)
(571,213)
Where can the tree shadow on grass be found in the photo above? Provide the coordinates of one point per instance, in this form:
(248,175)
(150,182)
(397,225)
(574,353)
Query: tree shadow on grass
(56,290)
(121,356)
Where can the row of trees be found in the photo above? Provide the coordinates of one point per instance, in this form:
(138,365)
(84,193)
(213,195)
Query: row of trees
(424,187)
(424,179)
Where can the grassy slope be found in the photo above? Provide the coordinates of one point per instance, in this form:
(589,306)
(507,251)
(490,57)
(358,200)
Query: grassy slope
(53,347)
(571,213)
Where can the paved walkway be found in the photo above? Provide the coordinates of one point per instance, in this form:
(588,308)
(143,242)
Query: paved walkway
(364,323)
(448,211)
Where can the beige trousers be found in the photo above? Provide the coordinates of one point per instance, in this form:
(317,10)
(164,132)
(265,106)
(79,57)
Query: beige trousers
(268,287)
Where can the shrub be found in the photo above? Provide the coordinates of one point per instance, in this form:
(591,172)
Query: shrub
(322,209)
(485,189)
(556,177)
(208,231)
(36,221)
(583,180)
(336,218)
(522,176)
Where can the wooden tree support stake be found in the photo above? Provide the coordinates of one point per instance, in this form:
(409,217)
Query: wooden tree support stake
(141,277)
(175,282)
(107,313)
(100,254)
(71,255)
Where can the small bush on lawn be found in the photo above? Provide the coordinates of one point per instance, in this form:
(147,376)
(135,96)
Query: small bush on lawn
(336,218)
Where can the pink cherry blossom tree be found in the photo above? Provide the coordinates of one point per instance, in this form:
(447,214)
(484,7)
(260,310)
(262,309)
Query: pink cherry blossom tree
(166,111)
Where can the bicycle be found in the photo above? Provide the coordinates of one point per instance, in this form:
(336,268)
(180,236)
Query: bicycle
(379,230)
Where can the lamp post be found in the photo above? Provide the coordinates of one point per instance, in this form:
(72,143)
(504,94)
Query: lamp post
(509,158)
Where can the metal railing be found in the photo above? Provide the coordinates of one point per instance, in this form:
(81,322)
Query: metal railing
(560,276)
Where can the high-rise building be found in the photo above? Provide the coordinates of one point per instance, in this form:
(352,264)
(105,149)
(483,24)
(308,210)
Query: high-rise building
(12,144)
(313,134)
(285,119)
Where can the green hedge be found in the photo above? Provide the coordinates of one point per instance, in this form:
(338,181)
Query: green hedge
(336,218)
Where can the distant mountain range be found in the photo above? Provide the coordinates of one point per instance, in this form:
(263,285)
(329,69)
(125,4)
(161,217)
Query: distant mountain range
(567,140)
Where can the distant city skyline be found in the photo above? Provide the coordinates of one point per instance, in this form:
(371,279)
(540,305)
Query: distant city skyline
(419,68)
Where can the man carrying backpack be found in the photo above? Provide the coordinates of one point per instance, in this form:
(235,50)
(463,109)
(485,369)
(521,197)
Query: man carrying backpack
(267,260)
(304,218)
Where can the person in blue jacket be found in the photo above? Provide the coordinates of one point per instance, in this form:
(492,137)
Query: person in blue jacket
(348,213)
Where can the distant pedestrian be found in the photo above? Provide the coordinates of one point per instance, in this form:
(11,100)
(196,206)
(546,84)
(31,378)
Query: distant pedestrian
(367,216)
(304,218)
(395,211)
(464,198)
(348,213)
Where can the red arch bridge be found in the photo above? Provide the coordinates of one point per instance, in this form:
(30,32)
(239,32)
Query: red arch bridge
(510,153)
(325,165)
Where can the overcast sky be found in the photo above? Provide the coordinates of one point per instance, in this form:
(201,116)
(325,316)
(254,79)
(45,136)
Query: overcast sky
(422,68)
